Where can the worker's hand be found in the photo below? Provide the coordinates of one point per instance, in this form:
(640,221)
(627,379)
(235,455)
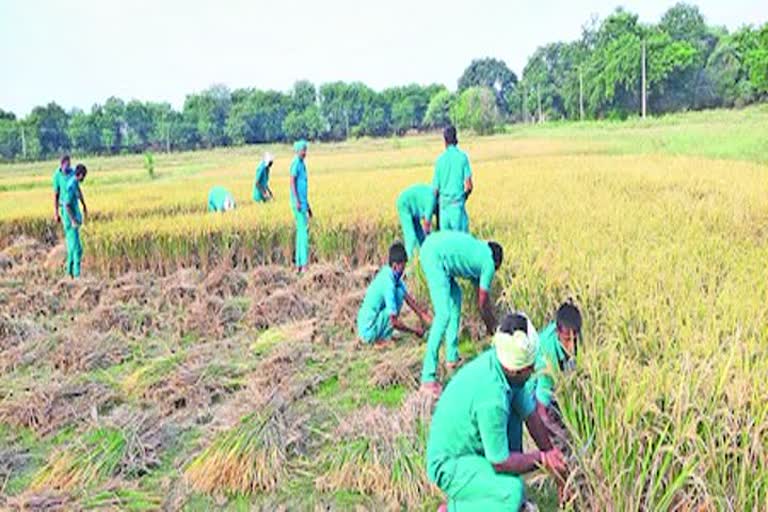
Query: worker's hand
(419,331)
(427,227)
(427,319)
(298,206)
(309,212)
(554,461)
(58,218)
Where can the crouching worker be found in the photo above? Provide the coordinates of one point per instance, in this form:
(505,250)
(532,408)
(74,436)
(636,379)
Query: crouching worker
(220,200)
(73,219)
(558,347)
(379,315)
(474,450)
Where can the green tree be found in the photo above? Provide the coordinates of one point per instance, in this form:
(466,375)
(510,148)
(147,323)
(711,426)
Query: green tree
(139,124)
(491,73)
(476,109)
(438,112)
(49,127)
(84,133)
(209,111)
(304,95)
(258,117)
(10,138)
(307,124)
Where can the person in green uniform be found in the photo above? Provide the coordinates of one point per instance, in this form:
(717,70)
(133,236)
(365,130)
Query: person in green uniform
(220,200)
(73,219)
(261,190)
(379,314)
(445,256)
(413,209)
(302,212)
(452,184)
(60,177)
(474,448)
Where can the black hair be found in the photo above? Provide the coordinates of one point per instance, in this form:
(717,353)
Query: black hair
(449,135)
(65,157)
(568,316)
(81,169)
(513,322)
(397,253)
(498,253)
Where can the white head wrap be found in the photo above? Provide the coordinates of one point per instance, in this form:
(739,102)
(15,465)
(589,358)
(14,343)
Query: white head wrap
(517,350)
(268,157)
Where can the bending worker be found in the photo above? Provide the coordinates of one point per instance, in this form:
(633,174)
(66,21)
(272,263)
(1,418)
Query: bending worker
(445,256)
(415,207)
(474,451)
(452,184)
(261,190)
(220,200)
(379,314)
(73,219)
(302,212)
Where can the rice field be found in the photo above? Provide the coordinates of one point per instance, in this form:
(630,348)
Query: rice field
(191,369)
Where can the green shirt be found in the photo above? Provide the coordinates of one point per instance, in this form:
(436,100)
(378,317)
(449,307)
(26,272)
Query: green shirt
(451,171)
(547,366)
(60,181)
(70,197)
(381,295)
(262,179)
(416,201)
(474,412)
(299,172)
(460,255)
(217,197)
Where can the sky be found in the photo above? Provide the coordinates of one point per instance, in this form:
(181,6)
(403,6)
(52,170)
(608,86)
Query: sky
(80,52)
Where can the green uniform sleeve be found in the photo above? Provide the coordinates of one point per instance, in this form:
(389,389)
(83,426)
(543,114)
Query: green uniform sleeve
(56,188)
(260,172)
(545,388)
(467,170)
(295,168)
(492,423)
(390,297)
(486,275)
(523,403)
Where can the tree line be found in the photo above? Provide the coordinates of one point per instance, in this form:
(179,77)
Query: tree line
(688,65)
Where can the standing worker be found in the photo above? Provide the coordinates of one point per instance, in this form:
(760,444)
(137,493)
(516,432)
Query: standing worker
(73,219)
(475,450)
(445,256)
(452,184)
(60,177)
(302,212)
(379,314)
(261,190)
(220,200)
(415,207)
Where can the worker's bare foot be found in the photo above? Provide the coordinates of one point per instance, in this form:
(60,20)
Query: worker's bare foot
(432,387)
(442,508)
(529,506)
(453,365)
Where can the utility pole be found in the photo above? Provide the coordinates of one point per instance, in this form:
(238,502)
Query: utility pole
(522,105)
(23,143)
(581,95)
(644,84)
(538,95)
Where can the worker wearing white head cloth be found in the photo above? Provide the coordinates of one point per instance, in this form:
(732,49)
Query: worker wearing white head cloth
(474,451)
(261,190)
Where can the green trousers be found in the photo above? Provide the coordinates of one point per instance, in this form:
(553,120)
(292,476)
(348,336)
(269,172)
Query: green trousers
(445,295)
(453,217)
(74,251)
(471,483)
(413,233)
(302,237)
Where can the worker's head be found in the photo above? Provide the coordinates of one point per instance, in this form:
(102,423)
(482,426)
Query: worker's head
(449,135)
(497,252)
(268,159)
(80,172)
(300,147)
(397,259)
(515,349)
(66,162)
(568,326)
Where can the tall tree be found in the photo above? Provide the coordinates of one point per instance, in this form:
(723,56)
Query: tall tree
(491,73)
